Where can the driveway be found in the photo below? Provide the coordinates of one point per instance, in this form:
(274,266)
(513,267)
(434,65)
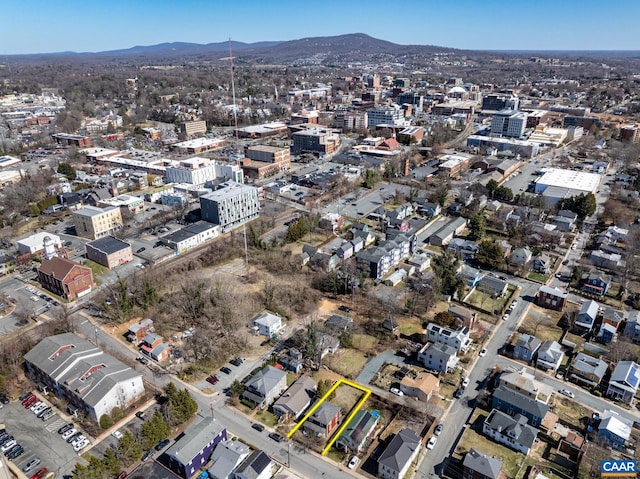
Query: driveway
(372,367)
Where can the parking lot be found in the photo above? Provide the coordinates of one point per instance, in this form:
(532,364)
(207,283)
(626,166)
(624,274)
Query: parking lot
(39,439)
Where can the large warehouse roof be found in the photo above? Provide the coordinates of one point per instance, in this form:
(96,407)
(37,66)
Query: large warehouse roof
(575,180)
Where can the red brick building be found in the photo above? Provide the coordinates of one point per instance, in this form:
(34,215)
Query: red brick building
(65,278)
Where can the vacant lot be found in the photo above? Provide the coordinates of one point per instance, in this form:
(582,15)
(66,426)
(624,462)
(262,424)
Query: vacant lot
(542,323)
(570,411)
(347,362)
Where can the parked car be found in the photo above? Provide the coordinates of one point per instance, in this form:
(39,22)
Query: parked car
(41,414)
(8,445)
(276,437)
(458,393)
(505,317)
(25,395)
(69,432)
(396,391)
(483,352)
(235,362)
(65,428)
(438,429)
(225,370)
(346,309)
(213,379)
(117,434)
(141,415)
(148,455)
(432,442)
(257,426)
(40,474)
(567,393)
(4,400)
(16,452)
(353,462)
(162,444)
(465,383)
(140,250)
(80,445)
(31,464)
(48,415)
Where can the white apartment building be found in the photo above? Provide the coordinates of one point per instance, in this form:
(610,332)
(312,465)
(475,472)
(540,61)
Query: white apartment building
(509,123)
(199,171)
(230,206)
(391,115)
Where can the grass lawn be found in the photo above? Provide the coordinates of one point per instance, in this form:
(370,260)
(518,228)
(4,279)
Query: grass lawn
(569,410)
(267,418)
(485,301)
(291,378)
(364,342)
(409,326)
(543,324)
(511,460)
(540,278)
(336,455)
(347,362)
(346,397)
(96,269)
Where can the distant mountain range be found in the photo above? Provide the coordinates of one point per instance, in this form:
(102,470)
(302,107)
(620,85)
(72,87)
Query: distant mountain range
(350,47)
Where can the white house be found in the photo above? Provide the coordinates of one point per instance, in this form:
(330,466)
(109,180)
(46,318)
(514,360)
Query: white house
(267,324)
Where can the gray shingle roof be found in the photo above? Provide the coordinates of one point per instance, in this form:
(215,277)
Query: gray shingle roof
(400,450)
(514,427)
(68,359)
(195,439)
(485,465)
(520,401)
(265,380)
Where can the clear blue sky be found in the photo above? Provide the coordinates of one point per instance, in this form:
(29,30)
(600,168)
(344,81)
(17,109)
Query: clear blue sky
(41,26)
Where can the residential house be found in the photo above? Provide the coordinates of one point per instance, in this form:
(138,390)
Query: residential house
(257,466)
(632,328)
(550,356)
(438,357)
(263,388)
(492,286)
(612,235)
(512,402)
(292,360)
(423,387)
(462,248)
(542,264)
(338,324)
(552,298)
(296,399)
(326,344)
(612,316)
(421,262)
(615,429)
(520,256)
(513,432)
(83,375)
(137,331)
(345,251)
(267,324)
(430,209)
(397,457)
(65,278)
(226,456)
(523,383)
(194,448)
(478,465)
(526,347)
(470,276)
(324,420)
(587,315)
(597,283)
(606,334)
(458,339)
(603,259)
(571,445)
(465,318)
(493,206)
(565,220)
(357,435)
(325,262)
(587,369)
(624,382)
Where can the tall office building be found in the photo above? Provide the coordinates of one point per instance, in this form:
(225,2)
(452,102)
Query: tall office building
(500,101)
(230,206)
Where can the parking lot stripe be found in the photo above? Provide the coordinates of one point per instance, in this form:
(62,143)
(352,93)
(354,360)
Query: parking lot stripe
(54,426)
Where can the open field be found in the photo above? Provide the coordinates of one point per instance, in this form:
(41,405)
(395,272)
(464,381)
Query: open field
(347,362)
(542,323)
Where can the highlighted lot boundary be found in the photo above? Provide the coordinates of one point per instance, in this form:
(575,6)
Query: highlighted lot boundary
(345,423)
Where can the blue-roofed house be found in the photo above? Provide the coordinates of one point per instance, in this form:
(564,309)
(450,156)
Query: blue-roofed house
(615,429)
(624,381)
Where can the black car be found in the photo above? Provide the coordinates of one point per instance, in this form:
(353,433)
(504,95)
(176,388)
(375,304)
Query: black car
(140,250)
(9,451)
(24,396)
(15,451)
(458,393)
(162,444)
(344,308)
(4,400)
(258,427)
(141,415)
(225,370)
(65,428)
(276,437)
(235,362)
(6,440)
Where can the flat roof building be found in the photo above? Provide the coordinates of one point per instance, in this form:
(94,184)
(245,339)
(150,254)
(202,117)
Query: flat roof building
(230,206)
(109,252)
(93,222)
(34,244)
(575,180)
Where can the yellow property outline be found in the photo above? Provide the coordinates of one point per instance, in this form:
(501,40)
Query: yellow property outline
(345,423)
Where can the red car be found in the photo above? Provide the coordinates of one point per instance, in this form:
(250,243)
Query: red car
(213,379)
(30,402)
(26,400)
(40,474)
